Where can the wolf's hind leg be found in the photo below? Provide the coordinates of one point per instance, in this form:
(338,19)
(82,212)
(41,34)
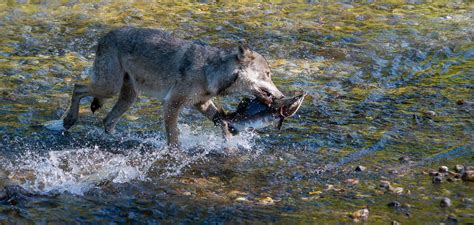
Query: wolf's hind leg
(80,91)
(127,97)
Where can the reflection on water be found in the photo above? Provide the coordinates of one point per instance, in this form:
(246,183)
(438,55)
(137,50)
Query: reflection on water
(385,80)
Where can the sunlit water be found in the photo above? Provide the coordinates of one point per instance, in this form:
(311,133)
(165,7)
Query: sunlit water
(384,80)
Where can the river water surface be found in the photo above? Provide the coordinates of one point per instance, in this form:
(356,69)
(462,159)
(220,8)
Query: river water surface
(389,84)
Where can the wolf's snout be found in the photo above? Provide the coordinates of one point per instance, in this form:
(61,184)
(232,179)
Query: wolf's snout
(266,96)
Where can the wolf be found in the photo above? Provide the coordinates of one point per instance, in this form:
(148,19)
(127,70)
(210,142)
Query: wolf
(138,61)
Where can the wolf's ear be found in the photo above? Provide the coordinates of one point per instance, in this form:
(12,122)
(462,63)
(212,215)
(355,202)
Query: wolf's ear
(244,54)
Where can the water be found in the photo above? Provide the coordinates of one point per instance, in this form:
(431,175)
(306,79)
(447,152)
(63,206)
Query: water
(384,80)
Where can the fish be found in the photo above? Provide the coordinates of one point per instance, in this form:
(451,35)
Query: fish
(252,114)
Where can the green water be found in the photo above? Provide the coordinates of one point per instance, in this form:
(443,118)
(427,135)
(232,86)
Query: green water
(384,80)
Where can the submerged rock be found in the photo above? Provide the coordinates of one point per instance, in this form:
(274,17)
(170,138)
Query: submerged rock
(394,204)
(443,169)
(468,175)
(437,179)
(266,201)
(360,168)
(445,202)
(359,215)
(458,168)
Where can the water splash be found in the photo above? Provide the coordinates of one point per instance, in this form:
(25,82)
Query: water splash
(78,170)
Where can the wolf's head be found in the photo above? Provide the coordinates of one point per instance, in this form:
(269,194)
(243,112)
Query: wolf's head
(254,76)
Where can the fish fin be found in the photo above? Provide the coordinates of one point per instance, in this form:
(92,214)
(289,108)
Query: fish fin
(280,123)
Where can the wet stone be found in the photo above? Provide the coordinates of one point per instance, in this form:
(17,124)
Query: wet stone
(452,219)
(404,159)
(458,168)
(394,204)
(445,202)
(468,175)
(359,215)
(434,173)
(385,184)
(430,114)
(360,168)
(437,179)
(443,169)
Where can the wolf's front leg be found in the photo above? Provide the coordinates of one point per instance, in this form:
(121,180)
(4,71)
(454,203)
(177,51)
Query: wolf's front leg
(209,109)
(172,109)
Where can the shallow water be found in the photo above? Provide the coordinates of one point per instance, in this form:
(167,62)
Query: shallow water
(384,80)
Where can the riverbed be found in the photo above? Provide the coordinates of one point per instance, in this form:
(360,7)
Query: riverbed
(389,87)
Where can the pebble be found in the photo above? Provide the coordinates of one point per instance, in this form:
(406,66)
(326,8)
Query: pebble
(458,168)
(468,175)
(443,169)
(394,204)
(445,202)
(266,201)
(468,200)
(352,181)
(430,114)
(452,219)
(362,214)
(397,190)
(437,179)
(360,168)
(434,174)
(404,159)
(385,184)
(241,199)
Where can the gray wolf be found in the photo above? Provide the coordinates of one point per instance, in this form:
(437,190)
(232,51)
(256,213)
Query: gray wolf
(135,61)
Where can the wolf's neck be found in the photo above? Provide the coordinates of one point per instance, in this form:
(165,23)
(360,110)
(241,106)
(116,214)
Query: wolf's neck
(221,73)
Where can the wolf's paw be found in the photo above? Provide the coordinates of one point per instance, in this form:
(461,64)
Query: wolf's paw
(55,125)
(109,127)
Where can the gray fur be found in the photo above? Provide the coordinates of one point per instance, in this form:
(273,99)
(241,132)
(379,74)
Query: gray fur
(135,61)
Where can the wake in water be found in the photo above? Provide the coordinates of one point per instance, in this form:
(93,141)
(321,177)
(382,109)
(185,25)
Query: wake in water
(77,170)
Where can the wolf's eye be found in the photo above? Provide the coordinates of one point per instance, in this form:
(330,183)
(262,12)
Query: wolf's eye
(268,73)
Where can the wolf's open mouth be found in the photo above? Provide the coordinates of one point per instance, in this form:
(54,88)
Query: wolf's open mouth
(264,96)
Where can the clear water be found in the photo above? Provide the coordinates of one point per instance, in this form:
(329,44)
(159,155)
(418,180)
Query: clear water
(384,80)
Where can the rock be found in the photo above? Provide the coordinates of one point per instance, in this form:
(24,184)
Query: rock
(362,214)
(351,181)
(394,204)
(468,200)
(385,184)
(396,222)
(437,179)
(360,168)
(469,168)
(434,174)
(445,202)
(396,190)
(443,169)
(241,199)
(468,175)
(452,219)
(393,171)
(266,201)
(430,114)
(458,168)
(404,159)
